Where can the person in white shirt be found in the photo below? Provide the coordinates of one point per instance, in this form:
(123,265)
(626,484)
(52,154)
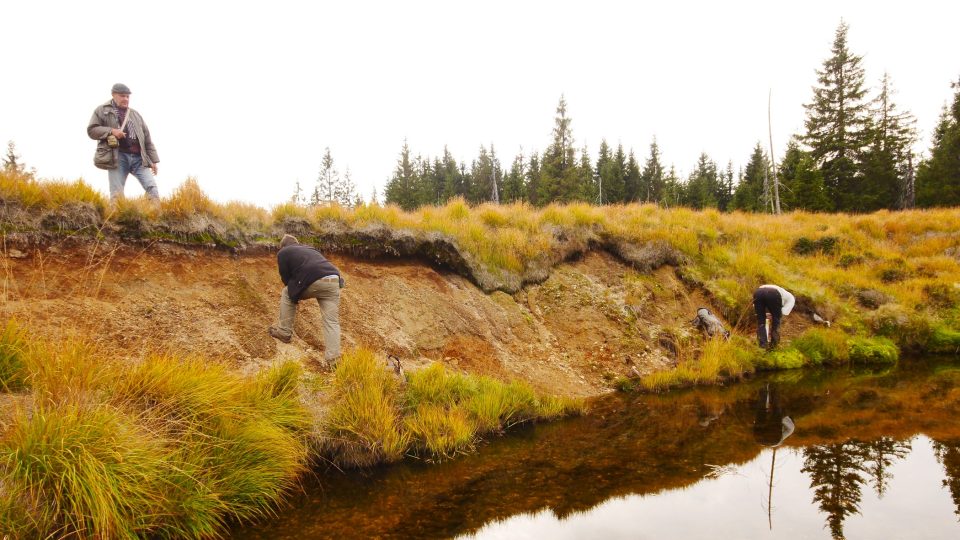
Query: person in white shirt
(773,302)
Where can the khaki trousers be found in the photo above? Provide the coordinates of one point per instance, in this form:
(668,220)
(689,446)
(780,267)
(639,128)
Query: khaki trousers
(327,293)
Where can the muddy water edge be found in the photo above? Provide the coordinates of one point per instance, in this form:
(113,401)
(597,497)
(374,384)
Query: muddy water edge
(804,454)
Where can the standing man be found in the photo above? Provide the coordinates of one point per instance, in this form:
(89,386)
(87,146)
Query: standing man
(308,274)
(124,145)
(771,301)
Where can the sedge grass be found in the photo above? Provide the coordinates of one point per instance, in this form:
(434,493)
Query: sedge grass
(719,360)
(437,412)
(364,424)
(169,447)
(13,365)
(71,470)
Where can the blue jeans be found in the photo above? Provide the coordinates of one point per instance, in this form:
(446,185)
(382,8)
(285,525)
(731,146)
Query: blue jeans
(131,164)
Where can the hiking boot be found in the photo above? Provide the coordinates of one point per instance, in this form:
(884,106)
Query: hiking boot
(277,333)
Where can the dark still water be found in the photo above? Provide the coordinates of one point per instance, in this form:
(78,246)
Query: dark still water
(839,454)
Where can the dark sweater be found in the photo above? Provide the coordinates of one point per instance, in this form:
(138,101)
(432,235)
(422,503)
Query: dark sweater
(300,266)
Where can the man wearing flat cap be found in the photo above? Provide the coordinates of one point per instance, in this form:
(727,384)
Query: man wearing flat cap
(124,145)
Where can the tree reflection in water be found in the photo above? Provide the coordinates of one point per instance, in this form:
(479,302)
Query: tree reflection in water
(838,472)
(948,454)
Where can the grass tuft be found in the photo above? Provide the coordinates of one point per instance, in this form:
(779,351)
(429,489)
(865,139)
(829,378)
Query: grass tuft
(364,424)
(873,350)
(81,471)
(13,365)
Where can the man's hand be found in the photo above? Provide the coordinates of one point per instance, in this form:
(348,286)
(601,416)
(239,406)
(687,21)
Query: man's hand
(118,133)
(154,169)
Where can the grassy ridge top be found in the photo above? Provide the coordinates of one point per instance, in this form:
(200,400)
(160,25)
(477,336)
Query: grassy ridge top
(889,273)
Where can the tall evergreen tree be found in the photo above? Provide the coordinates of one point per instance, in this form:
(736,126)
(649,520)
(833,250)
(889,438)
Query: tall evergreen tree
(298,196)
(533,180)
(652,180)
(749,193)
(453,182)
(801,181)
(327,180)
(604,159)
(559,170)
(618,185)
(514,185)
(837,122)
(484,172)
(11,161)
(631,182)
(345,192)
(586,186)
(725,193)
(703,185)
(938,177)
(886,164)
(671,192)
(402,187)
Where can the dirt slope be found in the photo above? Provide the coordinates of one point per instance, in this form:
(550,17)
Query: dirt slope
(593,319)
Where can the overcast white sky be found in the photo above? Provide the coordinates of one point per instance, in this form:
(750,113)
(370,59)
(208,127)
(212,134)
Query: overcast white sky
(245,96)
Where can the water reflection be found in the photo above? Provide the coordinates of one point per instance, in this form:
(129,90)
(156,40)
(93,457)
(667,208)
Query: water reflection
(948,454)
(702,463)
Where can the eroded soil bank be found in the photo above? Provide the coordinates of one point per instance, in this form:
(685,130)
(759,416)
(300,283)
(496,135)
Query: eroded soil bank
(593,319)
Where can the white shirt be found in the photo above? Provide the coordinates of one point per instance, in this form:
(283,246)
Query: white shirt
(786,297)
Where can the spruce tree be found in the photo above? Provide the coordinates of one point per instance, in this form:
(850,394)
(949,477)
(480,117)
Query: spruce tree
(725,191)
(453,184)
(559,170)
(652,180)
(345,192)
(749,194)
(672,192)
(533,180)
(327,180)
(886,162)
(632,179)
(604,159)
(703,184)
(618,178)
(11,161)
(401,189)
(938,177)
(514,185)
(802,181)
(297,197)
(484,171)
(585,188)
(837,122)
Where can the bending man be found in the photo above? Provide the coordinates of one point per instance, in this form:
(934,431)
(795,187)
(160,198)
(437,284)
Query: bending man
(771,301)
(308,274)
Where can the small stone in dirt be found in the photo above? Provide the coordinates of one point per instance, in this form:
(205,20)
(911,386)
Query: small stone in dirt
(16,254)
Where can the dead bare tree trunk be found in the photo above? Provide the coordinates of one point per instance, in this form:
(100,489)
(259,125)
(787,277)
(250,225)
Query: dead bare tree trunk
(773,162)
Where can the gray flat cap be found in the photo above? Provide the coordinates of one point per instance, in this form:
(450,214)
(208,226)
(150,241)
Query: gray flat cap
(120,88)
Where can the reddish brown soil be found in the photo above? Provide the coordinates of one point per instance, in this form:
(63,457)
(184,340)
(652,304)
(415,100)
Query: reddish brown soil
(592,320)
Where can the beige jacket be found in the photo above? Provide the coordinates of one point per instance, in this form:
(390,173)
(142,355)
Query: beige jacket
(105,119)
